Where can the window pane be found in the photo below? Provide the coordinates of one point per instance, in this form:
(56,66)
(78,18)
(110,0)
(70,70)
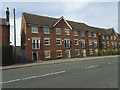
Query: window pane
(34,29)
(58,31)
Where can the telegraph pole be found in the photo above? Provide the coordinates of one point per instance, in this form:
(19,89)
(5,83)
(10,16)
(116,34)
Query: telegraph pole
(14,37)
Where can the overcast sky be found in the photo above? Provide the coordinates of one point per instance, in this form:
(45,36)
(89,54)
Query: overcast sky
(98,14)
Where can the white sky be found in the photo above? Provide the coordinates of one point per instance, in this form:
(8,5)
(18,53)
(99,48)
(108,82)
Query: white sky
(98,14)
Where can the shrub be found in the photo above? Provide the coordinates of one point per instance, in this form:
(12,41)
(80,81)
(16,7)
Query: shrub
(7,54)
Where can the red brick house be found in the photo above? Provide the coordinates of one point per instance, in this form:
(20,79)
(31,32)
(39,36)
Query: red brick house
(5,29)
(46,38)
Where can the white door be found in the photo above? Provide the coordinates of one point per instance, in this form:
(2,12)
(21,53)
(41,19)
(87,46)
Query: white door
(84,53)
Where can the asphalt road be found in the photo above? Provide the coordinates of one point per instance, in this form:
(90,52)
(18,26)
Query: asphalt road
(100,73)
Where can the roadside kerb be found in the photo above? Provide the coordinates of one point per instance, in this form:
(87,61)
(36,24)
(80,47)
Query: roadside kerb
(53,62)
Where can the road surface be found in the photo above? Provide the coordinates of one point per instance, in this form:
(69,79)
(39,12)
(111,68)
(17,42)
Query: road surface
(100,73)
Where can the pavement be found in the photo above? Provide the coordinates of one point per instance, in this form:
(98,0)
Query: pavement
(38,63)
(97,72)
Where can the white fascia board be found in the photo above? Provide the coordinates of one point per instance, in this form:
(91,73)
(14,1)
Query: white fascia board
(64,20)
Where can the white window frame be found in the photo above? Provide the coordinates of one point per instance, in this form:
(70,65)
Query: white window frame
(46,39)
(47,51)
(36,39)
(34,29)
(68,32)
(77,42)
(57,52)
(46,30)
(75,33)
(58,29)
(60,41)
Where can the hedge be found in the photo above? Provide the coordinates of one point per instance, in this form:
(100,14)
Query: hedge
(7,54)
(107,52)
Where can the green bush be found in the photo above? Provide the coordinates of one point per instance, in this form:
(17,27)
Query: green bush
(108,52)
(7,54)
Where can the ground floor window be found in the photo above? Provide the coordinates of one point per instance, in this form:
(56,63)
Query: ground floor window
(47,54)
(77,52)
(59,53)
(90,52)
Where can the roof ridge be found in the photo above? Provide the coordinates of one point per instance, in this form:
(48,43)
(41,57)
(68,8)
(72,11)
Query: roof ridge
(40,15)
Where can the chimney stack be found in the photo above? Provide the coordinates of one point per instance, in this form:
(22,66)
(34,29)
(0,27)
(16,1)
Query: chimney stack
(7,15)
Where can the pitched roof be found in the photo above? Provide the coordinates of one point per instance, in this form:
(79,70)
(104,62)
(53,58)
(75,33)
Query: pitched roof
(3,21)
(49,21)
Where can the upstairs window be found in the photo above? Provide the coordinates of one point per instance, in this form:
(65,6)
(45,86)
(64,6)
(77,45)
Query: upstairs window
(90,42)
(107,37)
(95,44)
(112,44)
(76,42)
(104,45)
(46,41)
(35,43)
(67,32)
(111,37)
(103,37)
(82,34)
(89,34)
(114,37)
(46,30)
(58,42)
(75,33)
(67,43)
(95,35)
(119,44)
(82,43)
(107,43)
(58,31)
(115,44)
(34,29)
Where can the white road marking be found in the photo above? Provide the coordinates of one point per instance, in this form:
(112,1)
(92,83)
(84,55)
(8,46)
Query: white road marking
(11,81)
(92,66)
(32,77)
(109,63)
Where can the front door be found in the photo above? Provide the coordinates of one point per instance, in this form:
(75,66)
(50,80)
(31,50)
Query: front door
(34,56)
(84,53)
(68,54)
